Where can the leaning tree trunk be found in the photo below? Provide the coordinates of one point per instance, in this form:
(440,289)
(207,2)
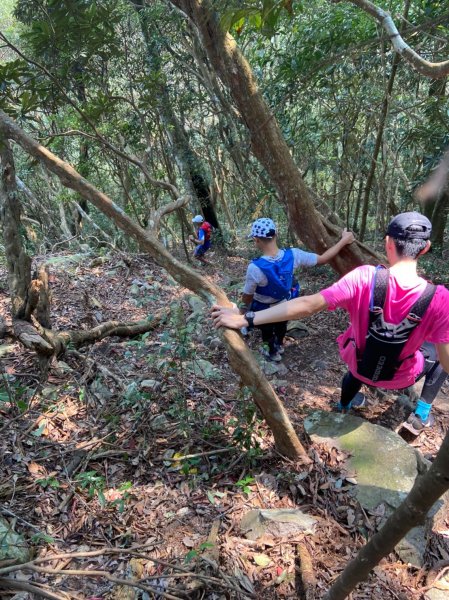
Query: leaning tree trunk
(268,144)
(240,356)
(425,492)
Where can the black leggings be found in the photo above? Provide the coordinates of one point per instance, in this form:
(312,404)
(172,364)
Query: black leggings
(434,374)
(273,334)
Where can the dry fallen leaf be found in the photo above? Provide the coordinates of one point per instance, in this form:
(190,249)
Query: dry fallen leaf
(262,560)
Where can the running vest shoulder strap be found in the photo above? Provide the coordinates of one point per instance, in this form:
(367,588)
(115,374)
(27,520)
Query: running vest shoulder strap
(385,341)
(379,294)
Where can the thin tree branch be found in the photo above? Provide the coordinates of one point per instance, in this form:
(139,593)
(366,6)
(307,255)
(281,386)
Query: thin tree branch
(436,70)
(132,159)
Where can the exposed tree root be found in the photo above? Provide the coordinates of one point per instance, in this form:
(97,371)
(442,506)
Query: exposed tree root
(306,569)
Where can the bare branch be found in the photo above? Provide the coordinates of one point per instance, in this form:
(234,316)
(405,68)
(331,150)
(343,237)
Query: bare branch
(157,215)
(423,66)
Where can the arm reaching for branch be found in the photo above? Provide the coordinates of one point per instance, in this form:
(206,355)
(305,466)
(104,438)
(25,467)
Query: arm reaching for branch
(429,69)
(293,309)
(436,182)
(347,237)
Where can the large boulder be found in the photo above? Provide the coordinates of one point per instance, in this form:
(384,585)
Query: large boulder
(385,468)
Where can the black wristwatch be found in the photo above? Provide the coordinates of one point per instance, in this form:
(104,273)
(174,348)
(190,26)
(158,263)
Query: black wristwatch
(249,316)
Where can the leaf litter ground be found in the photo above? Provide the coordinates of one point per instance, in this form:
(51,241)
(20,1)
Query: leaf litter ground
(147,453)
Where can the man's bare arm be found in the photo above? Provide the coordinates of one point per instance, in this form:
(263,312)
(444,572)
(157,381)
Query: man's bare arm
(346,238)
(293,309)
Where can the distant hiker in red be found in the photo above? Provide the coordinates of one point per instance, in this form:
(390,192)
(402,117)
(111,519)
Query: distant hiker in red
(204,232)
(270,279)
(399,324)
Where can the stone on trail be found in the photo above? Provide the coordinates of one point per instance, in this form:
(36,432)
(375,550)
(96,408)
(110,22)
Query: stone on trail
(385,466)
(205,369)
(276,523)
(436,593)
(197,305)
(272,368)
(6,349)
(297,330)
(150,384)
(12,544)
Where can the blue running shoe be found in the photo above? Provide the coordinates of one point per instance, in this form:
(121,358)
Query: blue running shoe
(359,401)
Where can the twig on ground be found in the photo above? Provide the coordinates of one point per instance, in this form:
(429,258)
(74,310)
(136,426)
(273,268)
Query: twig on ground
(24,586)
(197,455)
(9,513)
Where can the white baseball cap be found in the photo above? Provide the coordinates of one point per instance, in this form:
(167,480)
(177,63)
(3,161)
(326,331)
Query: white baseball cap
(197,219)
(263,228)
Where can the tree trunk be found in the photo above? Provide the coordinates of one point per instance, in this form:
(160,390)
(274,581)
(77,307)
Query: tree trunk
(377,146)
(425,492)
(268,144)
(17,260)
(439,218)
(240,356)
(190,167)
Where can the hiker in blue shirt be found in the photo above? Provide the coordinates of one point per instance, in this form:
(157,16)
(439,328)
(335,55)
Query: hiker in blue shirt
(270,279)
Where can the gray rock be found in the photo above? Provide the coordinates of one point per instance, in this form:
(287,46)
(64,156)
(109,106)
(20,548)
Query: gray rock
(203,368)
(276,523)
(6,349)
(279,382)
(271,368)
(436,594)
(319,365)
(12,544)
(159,423)
(406,402)
(297,329)
(196,304)
(385,467)
(68,258)
(282,369)
(150,384)
(216,343)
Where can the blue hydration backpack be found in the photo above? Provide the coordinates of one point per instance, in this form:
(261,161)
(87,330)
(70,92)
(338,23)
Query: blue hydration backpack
(279,274)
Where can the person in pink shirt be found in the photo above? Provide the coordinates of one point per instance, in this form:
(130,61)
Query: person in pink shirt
(426,350)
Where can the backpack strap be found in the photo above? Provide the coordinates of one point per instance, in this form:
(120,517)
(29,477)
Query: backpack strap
(417,311)
(379,287)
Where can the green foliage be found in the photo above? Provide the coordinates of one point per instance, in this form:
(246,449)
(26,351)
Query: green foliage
(243,484)
(263,15)
(94,483)
(42,537)
(51,482)
(194,553)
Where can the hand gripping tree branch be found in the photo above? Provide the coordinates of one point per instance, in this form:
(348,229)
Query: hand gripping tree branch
(240,356)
